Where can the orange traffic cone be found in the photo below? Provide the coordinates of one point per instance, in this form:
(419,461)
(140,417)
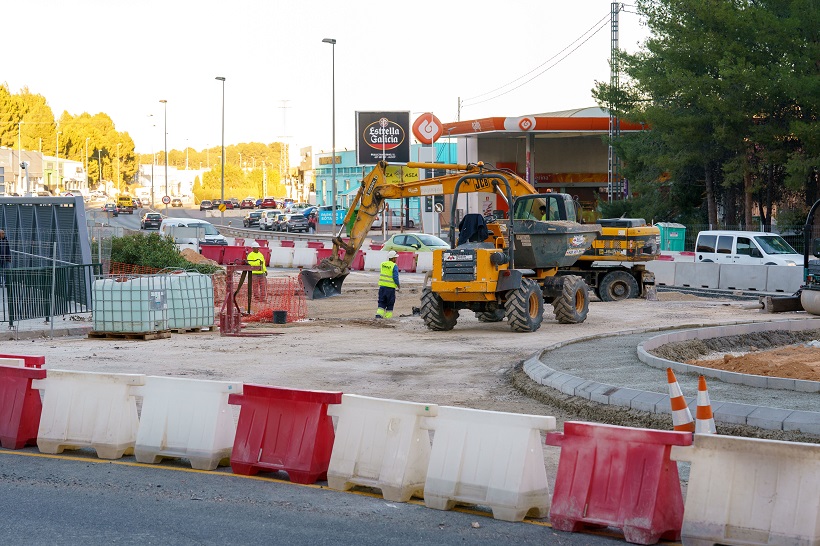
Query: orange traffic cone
(704,420)
(681,416)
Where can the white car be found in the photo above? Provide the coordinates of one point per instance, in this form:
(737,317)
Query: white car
(394,221)
(266,221)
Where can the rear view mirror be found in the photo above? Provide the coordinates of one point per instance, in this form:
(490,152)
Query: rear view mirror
(816,248)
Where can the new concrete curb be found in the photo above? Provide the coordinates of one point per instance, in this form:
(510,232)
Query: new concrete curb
(79,330)
(764,417)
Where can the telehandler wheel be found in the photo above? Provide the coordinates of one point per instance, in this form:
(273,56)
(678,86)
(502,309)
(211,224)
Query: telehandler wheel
(617,286)
(525,307)
(572,306)
(490,316)
(435,315)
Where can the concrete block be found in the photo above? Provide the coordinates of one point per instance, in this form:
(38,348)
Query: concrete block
(568,387)
(768,418)
(778,383)
(647,401)
(623,397)
(784,278)
(759,381)
(601,393)
(664,272)
(733,413)
(743,277)
(424,262)
(805,421)
(801,385)
(732,377)
(584,390)
(557,379)
(697,275)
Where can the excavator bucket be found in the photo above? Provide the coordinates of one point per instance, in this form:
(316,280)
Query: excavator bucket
(322,283)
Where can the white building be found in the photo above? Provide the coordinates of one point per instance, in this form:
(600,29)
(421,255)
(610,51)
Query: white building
(151,178)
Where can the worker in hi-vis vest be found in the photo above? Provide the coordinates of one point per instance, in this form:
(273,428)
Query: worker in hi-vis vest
(388,284)
(259,275)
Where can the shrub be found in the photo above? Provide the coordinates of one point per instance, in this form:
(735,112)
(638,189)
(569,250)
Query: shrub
(153,251)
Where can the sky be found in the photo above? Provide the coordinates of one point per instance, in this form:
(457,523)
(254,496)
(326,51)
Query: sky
(122,57)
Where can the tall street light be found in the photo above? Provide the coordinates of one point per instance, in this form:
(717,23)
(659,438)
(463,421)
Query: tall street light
(57,165)
(20,150)
(118,168)
(99,164)
(332,42)
(165,131)
(86,161)
(222,79)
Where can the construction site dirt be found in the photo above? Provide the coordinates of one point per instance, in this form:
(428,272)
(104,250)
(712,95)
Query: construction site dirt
(342,347)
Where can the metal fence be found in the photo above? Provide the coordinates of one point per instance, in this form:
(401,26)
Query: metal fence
(792,234)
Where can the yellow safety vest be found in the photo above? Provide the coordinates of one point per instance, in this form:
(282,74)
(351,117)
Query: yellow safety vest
(256,259)
(386,274)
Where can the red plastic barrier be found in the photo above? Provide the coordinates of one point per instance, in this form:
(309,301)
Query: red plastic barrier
(238,241)
(20,405)
(665,258)
(322,253)
(287,244)
(283,429)
(265,252)
(213,252)
(263,243)
(29,361)
(618,477)
(374,246)
(358,261)
(316,244)
(234,254)
(406,262)
(687,253)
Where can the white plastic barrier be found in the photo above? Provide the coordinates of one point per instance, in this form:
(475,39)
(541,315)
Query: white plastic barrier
(373,259)
(281,256)
(743,277)
(15,362)
(490,458)
(300,243)
(664,272)
(87,409)
(304,257)
(750,491)
(380,443)
(697,275)
(187,418)
(784,278)
(424,262)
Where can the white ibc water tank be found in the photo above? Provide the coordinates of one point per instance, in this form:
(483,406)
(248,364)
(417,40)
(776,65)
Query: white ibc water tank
(135,304)
(190,300)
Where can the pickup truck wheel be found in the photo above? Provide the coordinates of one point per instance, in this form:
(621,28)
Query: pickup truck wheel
(525,307)
(617,286)
(435,314)
(572,306)
(490,316)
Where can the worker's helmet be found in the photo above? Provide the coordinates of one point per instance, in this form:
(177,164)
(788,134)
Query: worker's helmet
(392,254)
(254,244)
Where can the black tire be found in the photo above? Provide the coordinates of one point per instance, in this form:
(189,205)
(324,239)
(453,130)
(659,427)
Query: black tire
(525,307)
(617,286)
(435,314)
(490,316)
(411,224)
(572,306)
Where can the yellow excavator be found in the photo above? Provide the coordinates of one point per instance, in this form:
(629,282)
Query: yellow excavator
(496,267)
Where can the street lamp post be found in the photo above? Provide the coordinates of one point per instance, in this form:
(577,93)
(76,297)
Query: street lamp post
(118,168)
(222,79)
(332,42)
(57,164)
(165,145)
(20,151)
(99,164)
(86,161)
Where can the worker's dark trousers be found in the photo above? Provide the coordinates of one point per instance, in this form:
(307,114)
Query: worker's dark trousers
(387,299)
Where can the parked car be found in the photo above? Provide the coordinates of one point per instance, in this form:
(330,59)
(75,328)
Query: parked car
(234,202)
(259,203)
(395,220)
(292,222)
(137,203)
(310,210)
(205,204)
(176,202)
(228,204)
(252,218)
(745,247)
(267,219)
(414,242)
(268,203)
(247,203)
(111,209)
(151,220)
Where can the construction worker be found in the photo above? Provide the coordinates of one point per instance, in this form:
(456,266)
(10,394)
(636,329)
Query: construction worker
(257,260)
(388,284)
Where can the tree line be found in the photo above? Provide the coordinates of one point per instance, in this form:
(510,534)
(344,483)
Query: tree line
(729,91)
(94,141)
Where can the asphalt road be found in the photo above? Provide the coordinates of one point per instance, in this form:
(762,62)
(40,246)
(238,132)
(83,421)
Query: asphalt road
(76,497)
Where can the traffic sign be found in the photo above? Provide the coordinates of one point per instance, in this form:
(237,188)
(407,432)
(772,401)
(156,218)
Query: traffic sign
(222,207)
(166,199)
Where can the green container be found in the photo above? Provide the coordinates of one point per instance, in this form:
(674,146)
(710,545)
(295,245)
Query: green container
(673,236)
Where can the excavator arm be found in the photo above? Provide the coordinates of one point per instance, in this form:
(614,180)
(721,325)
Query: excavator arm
(327,279)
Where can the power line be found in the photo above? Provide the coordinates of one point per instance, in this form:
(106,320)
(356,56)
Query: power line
(604,18)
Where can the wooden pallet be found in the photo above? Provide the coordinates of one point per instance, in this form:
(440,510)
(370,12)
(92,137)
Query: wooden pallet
(194,330)
(144,336)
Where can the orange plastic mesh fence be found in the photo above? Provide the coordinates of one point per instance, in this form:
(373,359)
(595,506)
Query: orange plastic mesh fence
(277,294)
(118,268)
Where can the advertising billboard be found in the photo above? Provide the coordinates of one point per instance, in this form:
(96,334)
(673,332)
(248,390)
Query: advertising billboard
(382,136)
